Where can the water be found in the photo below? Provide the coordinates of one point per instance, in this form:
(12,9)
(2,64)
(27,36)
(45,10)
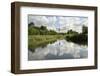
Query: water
(61,49)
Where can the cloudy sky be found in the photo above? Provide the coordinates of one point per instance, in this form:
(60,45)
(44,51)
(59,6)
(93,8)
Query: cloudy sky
(59,23)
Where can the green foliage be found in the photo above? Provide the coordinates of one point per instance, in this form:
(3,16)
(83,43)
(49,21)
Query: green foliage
(80,38)
(84,30)
(43,28)
(33,30)
(71,32)
(51,32)
(31,24)
(44,35)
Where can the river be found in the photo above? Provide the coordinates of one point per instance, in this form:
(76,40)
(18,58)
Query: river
(61,49)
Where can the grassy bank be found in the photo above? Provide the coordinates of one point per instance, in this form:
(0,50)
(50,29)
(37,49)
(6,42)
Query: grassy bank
(42,40)
(35,41)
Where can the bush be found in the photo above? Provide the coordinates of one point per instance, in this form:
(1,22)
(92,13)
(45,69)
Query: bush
(33,30)
(79,38)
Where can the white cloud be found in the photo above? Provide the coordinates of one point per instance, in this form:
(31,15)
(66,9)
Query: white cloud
(51,22)
(38,20)
(62,22)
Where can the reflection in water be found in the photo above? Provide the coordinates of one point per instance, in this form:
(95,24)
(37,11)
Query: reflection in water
(61,49)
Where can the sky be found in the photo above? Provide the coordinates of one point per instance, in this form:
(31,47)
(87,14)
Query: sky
(59,23)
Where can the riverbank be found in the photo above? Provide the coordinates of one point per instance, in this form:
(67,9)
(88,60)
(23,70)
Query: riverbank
(42,40)
(78,38)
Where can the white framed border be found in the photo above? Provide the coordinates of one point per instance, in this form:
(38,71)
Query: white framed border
(25,64)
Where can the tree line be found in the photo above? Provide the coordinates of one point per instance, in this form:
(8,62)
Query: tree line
(80,38)
(33,30)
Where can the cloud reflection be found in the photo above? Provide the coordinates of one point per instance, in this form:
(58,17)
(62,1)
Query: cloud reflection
(61,49)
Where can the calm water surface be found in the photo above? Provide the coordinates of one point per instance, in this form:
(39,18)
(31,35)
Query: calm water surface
(61,49)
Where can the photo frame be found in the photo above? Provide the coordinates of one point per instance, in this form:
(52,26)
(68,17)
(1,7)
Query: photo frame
(53,24)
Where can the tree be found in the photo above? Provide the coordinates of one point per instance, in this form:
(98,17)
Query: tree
(71,32)
(31,24)
(43,28)
(52,32)
(84,30)
(33,31)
